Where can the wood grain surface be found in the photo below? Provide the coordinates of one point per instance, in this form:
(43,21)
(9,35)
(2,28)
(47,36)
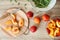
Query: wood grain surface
(40,34)
(56,9)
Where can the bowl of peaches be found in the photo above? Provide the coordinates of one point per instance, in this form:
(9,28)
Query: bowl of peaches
(14,22)
(53,27)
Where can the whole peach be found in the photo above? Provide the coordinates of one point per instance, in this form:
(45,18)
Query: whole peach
(45,17)
(37,20)
(29,14)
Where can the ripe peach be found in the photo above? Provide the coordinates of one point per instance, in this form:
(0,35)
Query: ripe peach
(29,14)
(33,28)
(45,17)
(37,20)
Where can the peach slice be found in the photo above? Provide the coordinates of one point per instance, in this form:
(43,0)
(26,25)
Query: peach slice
(21,22)
(8,28)
(58,23)
(53,21)
(57,33)
(51,33)
(14,16)
(51,25)
(14,22)
(15,30)
(9,22)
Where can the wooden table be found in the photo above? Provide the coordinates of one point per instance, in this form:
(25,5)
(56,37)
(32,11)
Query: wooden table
(5,4)
(56,9)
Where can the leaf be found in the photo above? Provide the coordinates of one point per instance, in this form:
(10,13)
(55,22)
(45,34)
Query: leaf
(10,0)
(27,0)
(15,0)
(25,4)
(18,3)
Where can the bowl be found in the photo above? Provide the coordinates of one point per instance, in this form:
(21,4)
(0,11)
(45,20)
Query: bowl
(50,6)
(19,12)
(53,30)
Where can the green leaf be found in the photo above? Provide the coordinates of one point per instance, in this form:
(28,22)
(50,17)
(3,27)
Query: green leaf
(10,0)
(15,0)
(27,0)
(41,3)
(18,3)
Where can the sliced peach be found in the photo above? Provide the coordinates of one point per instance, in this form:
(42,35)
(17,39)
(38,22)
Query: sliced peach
(21,22)
(15,30)
(8,28)
(53,21)
(9,22)
(58,23)
(54,30)
(57,32)
(51,33)
(14,16)
(51,25)
(14,22)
